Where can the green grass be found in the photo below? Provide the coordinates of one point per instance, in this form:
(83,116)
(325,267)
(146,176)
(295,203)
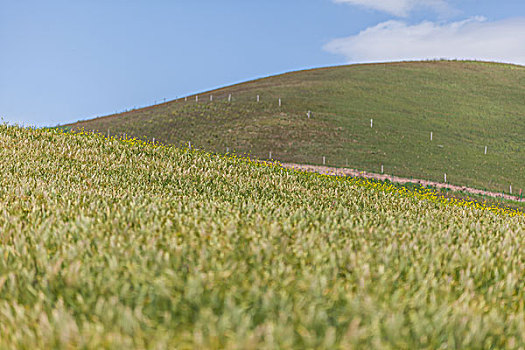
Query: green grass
(116,244)
(467,106)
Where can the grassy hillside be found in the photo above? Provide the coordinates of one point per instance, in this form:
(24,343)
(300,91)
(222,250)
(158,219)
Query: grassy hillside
(466,105)
(117,244)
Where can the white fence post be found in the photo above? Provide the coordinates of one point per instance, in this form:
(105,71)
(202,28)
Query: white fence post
(308,114)
(371,123)
(510,189)
(270,155)
(211,97)
(279,102)
(227,149)
(153,140)
(229,97)
(189,144)
(324,160)
(485,149)
(196,98)
(382,172)
(445,178)
(257,98)
(431,136)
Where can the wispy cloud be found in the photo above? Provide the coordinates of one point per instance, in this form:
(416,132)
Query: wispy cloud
(400,8)
(475,38)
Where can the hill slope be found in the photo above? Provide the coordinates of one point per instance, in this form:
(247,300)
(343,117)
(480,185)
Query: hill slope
(466,106)
(116,244)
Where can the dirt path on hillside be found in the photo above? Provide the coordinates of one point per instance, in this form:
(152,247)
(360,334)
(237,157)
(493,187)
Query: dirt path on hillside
(356,173)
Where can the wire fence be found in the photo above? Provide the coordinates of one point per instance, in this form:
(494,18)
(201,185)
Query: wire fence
(318,159)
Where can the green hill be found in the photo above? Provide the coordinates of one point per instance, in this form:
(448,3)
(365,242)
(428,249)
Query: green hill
(466,106)
(119,244)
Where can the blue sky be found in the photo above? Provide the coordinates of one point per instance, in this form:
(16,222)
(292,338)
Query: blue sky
(63,60)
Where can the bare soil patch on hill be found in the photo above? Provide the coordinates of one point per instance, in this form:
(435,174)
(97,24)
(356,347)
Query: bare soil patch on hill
(383,177)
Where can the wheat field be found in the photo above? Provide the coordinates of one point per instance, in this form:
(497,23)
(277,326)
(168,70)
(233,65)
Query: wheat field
(110,243)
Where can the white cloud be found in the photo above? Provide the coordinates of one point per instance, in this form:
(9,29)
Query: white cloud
(400,8)
(475,38)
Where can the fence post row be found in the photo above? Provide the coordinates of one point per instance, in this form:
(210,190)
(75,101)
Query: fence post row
(309,114)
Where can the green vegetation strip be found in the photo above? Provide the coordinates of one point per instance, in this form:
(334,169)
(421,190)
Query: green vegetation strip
(110,243)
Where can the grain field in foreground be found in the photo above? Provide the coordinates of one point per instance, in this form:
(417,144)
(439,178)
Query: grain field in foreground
(120,244)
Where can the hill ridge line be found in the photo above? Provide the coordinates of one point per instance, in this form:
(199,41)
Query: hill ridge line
(321,169)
